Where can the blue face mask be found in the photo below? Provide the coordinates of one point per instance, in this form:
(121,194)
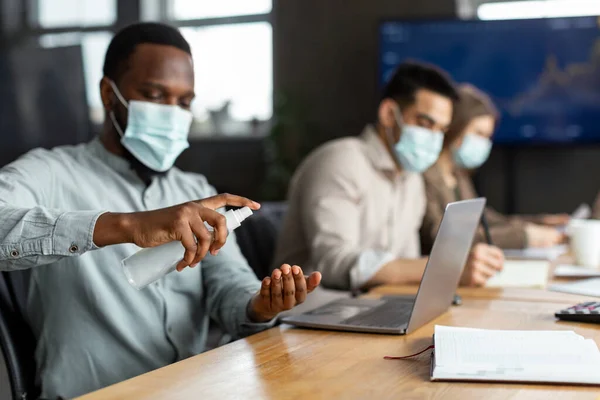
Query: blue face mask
(418,147)
(473,151)
(156,134)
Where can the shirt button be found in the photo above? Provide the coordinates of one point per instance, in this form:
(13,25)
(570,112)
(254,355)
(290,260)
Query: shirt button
(170,329)
(74,248)
(14,253)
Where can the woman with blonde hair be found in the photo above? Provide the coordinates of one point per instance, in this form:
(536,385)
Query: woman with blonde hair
(467,145)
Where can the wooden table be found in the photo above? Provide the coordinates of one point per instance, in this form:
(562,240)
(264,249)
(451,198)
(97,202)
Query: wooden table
(515,294)
(506,294)
(291,363)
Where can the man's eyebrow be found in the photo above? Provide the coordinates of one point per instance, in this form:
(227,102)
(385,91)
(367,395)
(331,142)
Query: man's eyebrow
(163,88)
(154,85)
(427,117)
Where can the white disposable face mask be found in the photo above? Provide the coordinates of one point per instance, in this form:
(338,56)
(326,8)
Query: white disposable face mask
(418,147)
(473,151)
(156,134)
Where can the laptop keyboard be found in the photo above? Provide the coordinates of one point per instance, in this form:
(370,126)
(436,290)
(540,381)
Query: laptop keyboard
(389,314)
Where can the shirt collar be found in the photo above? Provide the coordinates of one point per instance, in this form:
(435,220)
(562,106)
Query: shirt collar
(119,164)
(377,151)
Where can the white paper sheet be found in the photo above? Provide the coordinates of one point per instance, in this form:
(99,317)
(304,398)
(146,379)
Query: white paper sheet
(584,211)
(576,271)
(535,356)
(586,287)
(522,273)
(534,253)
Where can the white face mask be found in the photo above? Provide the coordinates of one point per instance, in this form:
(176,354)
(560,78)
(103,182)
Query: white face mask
(156,134)
(473,151)
(418,147)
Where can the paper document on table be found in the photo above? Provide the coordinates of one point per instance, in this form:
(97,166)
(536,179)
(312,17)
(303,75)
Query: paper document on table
(530,274)
(535,253)
(575,271)
(582,212)
(526,356)
(586,287)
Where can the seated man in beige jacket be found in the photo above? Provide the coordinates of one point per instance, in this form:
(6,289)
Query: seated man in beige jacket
(357,203)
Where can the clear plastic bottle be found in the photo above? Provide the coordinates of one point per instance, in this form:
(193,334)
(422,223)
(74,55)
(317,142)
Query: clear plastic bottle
(150,264)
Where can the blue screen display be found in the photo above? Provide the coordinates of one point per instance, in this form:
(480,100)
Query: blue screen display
(543,74)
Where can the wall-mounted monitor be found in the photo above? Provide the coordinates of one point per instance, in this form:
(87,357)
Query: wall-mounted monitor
(543,74)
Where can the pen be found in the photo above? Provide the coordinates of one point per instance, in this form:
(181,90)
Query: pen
(486,229)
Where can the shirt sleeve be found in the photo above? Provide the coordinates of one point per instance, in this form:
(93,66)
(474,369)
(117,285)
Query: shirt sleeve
(230,284)
(505,232)
(434,212)
(331,213)
(509,235)
(31,233)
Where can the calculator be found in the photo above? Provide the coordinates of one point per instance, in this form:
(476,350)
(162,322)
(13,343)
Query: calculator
(583,312)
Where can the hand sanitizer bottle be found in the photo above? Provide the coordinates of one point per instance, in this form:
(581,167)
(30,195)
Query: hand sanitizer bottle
(150,264)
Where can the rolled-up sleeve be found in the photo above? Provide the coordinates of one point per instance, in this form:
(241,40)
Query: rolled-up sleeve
(31,233)
(331,217)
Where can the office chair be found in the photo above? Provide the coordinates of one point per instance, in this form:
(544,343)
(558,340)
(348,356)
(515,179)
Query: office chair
(17,342)
(257,237)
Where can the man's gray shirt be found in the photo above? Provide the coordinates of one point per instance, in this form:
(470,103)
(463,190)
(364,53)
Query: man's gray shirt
(92,328)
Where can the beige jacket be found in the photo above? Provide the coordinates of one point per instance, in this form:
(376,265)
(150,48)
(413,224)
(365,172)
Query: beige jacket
(506,232)
(351,212)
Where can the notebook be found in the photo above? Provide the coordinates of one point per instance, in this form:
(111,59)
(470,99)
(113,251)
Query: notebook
(585,287)
(518,273)
(535,253)
(466,354)
(576,271)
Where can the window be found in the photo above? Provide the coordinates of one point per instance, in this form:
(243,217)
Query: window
(93,47)
(198,9)
(61,23)
(234,76)
(232,46)
(497,10)
(231,43)
(538,9)
(65,13)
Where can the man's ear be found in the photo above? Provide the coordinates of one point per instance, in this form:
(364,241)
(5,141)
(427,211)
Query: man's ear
(107,94)
(386,113)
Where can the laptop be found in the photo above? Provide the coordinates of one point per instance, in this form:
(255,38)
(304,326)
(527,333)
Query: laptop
(403,314)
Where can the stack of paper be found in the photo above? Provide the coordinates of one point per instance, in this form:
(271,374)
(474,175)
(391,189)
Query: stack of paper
(585,287)
(464,354)
(584,211)
(575,271)
(535,253)
(528,274)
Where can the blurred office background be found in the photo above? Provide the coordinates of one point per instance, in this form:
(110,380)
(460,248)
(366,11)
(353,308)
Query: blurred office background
(275,78)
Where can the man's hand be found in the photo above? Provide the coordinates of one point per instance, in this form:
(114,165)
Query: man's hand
(484,262)
(286,288)
(183,222)
(543,236)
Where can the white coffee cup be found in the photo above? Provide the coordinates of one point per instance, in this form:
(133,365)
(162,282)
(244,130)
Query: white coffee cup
(585,242)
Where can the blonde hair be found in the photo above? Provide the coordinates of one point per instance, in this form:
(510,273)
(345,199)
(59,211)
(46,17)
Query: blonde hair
(472,103)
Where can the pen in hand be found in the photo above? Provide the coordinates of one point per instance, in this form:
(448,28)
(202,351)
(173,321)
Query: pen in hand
(486,230)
